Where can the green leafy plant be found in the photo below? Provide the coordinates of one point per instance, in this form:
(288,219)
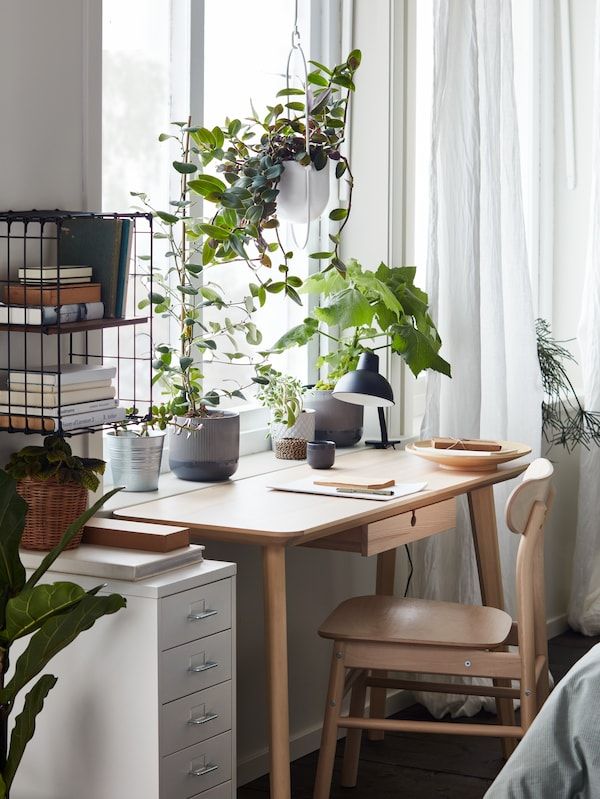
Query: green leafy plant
(53,615)
(157,418)
(249,156)
(55,460)
(365,310)
(565,422)
(282,394)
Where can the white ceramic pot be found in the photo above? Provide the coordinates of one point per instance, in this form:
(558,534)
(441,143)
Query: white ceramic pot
(304,428)
(292,197)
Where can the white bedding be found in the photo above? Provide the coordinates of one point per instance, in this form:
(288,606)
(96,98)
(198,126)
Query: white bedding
(559,757)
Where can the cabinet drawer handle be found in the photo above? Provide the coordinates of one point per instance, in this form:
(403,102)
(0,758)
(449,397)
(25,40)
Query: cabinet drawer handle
(204,615)
(210,664)
(200,772)
(204,719)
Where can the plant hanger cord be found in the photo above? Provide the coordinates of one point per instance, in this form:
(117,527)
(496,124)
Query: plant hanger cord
(297,47)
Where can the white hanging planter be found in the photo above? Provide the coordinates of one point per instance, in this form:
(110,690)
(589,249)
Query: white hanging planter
(302,200)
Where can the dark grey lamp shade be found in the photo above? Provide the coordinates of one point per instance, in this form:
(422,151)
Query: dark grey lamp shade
(365,386)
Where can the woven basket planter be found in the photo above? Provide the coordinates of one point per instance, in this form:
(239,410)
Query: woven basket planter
(290,449)
(52,507)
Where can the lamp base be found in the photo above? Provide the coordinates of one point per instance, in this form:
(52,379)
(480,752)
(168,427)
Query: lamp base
(383,444)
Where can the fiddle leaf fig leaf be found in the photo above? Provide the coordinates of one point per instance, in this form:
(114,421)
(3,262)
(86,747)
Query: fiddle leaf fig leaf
(24,727)
(27,612)
(54,635)
(12,520)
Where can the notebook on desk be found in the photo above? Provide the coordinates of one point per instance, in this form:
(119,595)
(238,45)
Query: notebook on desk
(306,485)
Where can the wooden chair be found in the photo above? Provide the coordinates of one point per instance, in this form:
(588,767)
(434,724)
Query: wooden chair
(382,633)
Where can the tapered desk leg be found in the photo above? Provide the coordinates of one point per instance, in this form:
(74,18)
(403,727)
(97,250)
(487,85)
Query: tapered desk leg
(386,572)
(277,669)
(487,551)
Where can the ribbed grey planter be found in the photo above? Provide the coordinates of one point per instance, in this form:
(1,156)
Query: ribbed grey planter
(337,421)
(208,454)
(135,460)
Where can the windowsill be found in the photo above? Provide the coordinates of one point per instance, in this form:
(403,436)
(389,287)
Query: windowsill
(249,466)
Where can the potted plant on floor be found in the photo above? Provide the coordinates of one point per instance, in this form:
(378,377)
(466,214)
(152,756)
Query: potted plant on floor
(52,614)
(291,425)
(55,483)
(363,310)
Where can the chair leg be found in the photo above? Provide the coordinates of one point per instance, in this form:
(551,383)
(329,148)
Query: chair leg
(335,693)
(353,737)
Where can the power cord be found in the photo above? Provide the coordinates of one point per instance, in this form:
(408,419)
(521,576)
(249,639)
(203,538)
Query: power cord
(410,573)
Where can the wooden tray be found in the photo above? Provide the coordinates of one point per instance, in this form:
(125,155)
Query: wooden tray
(476,462)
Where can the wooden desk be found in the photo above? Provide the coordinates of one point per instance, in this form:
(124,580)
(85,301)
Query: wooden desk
(247,512)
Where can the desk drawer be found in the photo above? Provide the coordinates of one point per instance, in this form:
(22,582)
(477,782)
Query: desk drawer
(192,667)
(195,718)
(195,613)
(371,539)
(420,523)
(211,760)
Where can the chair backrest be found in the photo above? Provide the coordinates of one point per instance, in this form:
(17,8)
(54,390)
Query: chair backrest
(534,487)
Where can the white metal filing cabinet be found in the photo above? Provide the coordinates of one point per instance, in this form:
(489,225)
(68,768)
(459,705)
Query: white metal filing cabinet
(144,707)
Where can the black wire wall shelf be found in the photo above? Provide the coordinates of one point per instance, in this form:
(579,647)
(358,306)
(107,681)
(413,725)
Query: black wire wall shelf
(123,340)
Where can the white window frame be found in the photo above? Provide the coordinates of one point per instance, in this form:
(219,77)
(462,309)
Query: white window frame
(326,40)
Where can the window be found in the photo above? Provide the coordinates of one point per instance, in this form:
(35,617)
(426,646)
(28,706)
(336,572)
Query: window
(152,76)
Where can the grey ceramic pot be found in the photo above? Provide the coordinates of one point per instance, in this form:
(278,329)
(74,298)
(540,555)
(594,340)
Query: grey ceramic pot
(336,421)
(135,460)
(208,454)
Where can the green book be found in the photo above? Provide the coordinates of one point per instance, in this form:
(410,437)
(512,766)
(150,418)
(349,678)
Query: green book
(97,242)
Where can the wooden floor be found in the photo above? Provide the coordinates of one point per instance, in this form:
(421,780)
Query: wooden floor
(401,766)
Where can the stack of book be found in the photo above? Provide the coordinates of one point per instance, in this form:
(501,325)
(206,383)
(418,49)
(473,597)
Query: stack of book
(89,282)
(77,395)
(49,295)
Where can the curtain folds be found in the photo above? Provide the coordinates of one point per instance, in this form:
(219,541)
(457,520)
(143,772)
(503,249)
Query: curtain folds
(584,610)
(478,282)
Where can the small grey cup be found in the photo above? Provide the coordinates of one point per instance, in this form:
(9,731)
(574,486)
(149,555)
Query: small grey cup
(320,454)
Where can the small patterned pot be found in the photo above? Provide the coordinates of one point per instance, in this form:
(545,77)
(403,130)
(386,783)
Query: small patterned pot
(290,449)
(303,428)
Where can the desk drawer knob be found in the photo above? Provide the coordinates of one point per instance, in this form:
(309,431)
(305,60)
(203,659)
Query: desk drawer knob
(205,614)
(204,719)
(200,772)
(210,664)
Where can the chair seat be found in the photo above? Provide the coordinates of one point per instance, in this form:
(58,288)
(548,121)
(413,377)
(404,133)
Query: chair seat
(386,619)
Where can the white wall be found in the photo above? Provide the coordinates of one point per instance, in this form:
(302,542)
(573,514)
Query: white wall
(50,105)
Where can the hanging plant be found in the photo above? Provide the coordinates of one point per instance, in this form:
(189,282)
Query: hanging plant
(247,159)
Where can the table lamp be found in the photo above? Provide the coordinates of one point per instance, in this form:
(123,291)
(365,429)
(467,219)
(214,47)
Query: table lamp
(365,386)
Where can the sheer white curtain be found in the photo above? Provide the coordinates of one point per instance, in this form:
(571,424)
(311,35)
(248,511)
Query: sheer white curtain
(478,281)
(584,611)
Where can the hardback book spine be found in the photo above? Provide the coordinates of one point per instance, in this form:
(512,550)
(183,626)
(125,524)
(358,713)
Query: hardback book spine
(69,423)
(52,400)
(51,315)
(22,294)
(38,388)
(79,374)
(65,410)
